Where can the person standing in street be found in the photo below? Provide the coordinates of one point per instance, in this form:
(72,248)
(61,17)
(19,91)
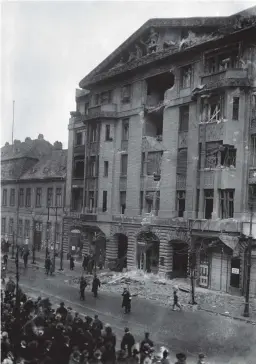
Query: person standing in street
(201,359)
(47,265)
(25,258)
(175,300)
(72,263)
(95,285)
(126,300)
(85,262)
(127,342)
(83,285)
(5,258)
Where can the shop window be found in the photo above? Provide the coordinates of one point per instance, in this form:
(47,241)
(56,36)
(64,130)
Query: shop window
(105,168)
(181,202)
(227,204)
(28,197)
(186,76)
(4,198)
(184,118)
(122,202)
(105,201)
(21,197)
(208,203)
(126,94)
(39,197)
(235,111)
(124,164)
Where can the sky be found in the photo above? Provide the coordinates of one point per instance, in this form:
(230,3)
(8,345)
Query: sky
(48,47)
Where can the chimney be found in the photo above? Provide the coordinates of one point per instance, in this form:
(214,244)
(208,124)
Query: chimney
(57,145)
(40,137)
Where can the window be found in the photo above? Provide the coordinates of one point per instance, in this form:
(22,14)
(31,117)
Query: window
(20,228)
(27,229)
(4,198)
(182,158)
(125,129)
(235,112)
(107,133)
(126,93)
(222,61)
(48,230)
(21,197)
(3,225)
(58,233)
(208,203)
(181,200)
(149,199)
(228,156)
(96,99)
(122,201)
(79,138)
(12,197)
(105,168)
(197,202)
(253,150)
(154,163)
(93,134)
(79,168)
(77,199)
(92,167)
(227,204)
(105,97)
(184,118)
(157,207)
(186,76)
(49,201)
(213,109)
(11,223)
(38,197)
(143,166)
(58,197)
(199,156)
(124,164)
(105,201)
(28,197)
(212,153)
(91,201)
(141,201)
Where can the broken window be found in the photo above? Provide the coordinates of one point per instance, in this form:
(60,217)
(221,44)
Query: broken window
(212,109)
(124,164)
(228,156)
(154,163)
(122,202)
(208,203)
(92,167)
(77,199)
(105,201)
(212,152)
(227,204)
(79,169)
(181,201)
(186,76)
(126,93)
(182,158)
(125,129)
(79,138)
(184,118)
(235,111)
(221,61)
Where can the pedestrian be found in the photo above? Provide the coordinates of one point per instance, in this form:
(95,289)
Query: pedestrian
(164,360)
(175,300)
(72,263)
(83,285)
(182,358)
(5,258)
(25,258)
(62,311)
(95,285)
(126,300)
(127,342)
(47,265)
(52,266)
(201,359)
(146,341)
(85,262)
(3,273)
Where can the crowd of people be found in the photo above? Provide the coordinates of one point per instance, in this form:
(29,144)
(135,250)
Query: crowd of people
(33,332)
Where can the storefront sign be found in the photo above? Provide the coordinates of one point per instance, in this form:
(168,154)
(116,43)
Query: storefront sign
(235,271)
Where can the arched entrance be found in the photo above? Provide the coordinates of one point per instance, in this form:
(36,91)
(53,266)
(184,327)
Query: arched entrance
(148,252)
(180,259)
(96,244)
(122,248)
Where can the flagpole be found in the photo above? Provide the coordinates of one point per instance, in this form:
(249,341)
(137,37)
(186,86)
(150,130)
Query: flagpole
(13,104)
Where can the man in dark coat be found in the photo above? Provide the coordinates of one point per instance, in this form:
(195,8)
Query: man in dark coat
(47,265)
(126,300)
(146,341)
(128,341)
(83,285)
(72,263)
(62,311)
(25,258)
(85,262)
(95,285)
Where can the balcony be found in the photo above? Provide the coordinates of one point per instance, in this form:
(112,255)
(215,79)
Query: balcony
(124,145)
(148,183)
(153,220)
(223,130)
(183,139)
(79,149)
(108,111)
(225,225)
(252,176)
(220,177)
(236,77)
(89,216)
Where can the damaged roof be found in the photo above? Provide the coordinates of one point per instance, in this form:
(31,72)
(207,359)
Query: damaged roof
(28,149)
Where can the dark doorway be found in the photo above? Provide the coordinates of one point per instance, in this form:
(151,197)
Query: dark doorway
(38,240)
(122,242)
(235,272)
(180,260)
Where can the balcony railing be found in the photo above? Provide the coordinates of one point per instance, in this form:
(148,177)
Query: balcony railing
(229,77)
(79,149)
(213,131)
(154,220)
(108,111)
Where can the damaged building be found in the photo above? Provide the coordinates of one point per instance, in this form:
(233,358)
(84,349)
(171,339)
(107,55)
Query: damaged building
(162,151)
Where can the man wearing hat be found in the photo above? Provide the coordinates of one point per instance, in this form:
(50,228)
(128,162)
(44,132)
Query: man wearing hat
(181,358)
(201,359)
(127,342)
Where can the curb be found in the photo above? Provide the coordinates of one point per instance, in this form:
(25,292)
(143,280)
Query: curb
(229,316)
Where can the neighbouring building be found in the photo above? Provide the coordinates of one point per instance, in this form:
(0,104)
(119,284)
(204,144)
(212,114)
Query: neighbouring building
(162,147)
(33,175)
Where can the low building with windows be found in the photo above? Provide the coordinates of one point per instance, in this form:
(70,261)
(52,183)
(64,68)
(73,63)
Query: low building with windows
(158,158)
(33,175)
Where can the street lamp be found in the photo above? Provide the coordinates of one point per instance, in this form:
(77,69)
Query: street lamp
(34,239)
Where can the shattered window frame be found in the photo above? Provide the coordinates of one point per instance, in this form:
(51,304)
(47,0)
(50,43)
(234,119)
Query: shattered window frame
(227,197)
(208,203)
(186,76)
(181,202)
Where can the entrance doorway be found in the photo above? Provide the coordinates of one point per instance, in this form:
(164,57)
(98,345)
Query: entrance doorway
(148,252)
(235,272)
(122,249)
(180,259)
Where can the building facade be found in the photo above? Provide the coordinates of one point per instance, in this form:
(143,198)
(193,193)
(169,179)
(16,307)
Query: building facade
(33,177)
(161,151)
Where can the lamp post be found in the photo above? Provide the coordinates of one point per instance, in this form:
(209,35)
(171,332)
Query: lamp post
(249,258)
(34,239)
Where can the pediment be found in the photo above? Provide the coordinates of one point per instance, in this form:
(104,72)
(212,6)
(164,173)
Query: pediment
(154,37)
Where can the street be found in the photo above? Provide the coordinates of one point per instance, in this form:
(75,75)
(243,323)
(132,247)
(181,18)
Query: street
(222,339)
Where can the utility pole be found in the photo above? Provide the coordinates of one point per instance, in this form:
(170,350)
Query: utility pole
(249,258)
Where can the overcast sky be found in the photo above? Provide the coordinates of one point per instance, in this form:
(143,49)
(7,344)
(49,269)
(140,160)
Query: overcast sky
(48,47)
